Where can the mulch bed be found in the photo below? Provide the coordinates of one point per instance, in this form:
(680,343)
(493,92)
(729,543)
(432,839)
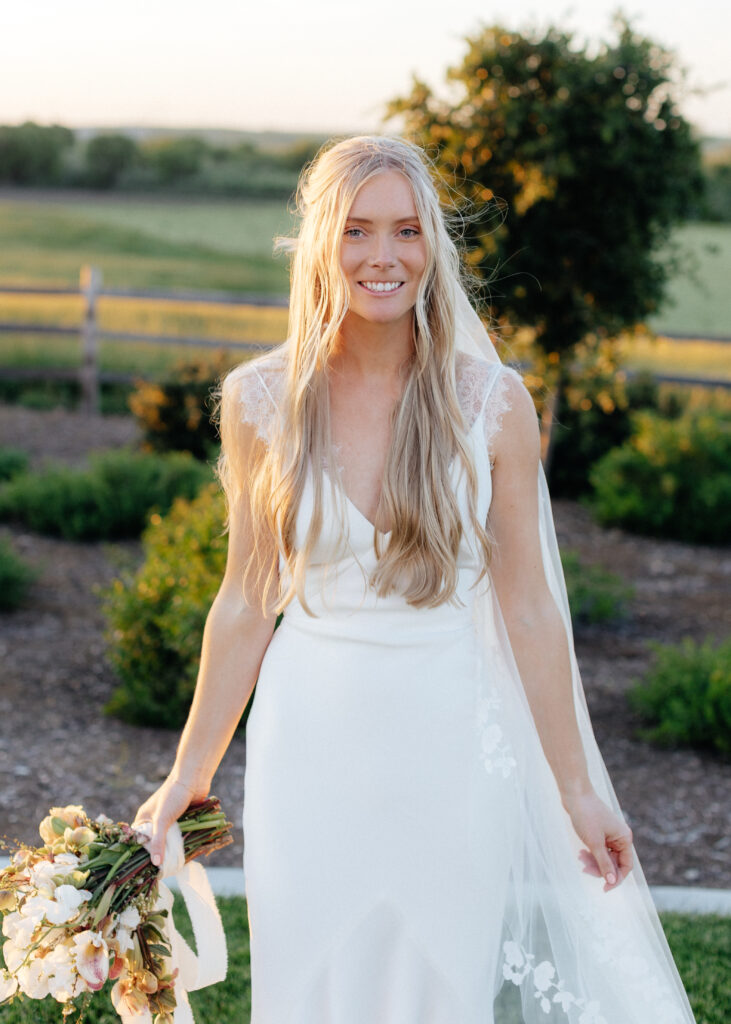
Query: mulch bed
(56,747)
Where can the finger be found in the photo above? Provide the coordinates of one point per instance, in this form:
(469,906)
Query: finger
(606,864)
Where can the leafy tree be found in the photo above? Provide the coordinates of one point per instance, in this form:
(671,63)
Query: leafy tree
(32,154)
(587,160)
(107,156)
(177,158)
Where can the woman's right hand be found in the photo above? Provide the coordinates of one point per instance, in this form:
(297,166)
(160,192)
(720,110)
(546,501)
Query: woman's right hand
(163,808)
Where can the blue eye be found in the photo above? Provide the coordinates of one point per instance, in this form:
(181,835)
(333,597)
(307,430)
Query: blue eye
(411,232)
(350,234)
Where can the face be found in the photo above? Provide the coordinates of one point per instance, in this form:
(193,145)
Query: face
(383,252)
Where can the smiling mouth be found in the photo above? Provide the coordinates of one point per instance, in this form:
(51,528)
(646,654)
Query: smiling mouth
(381,287)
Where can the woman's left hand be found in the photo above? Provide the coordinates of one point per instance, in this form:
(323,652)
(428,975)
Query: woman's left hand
(607,836)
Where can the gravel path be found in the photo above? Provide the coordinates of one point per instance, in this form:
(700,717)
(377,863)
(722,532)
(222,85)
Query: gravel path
(56,747)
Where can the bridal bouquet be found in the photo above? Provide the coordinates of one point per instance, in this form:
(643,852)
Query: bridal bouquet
(89,906)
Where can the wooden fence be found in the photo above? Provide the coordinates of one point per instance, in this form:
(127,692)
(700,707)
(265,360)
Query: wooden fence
(90,334)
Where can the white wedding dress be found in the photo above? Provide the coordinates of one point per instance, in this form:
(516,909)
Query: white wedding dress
(407,857)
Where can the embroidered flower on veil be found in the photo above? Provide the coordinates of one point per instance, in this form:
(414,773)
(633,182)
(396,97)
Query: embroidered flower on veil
(518,964)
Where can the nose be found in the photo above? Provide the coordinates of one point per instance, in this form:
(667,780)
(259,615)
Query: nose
(381,254)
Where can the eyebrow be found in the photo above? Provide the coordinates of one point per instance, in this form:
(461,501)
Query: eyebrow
(364,220)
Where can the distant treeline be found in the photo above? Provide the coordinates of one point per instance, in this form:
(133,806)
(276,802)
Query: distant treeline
(53,157)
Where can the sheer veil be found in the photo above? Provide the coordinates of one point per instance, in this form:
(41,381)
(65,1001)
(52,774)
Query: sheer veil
(574,952)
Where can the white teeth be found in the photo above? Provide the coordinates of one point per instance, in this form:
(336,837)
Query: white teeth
(381,286)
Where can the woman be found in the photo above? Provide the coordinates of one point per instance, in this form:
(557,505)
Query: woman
(427,816)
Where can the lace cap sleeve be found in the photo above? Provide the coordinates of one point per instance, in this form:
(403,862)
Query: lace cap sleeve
(503,388)
(260,389)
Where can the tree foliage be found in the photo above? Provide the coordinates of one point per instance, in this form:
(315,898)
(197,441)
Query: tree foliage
(107,156)
(586,159)
(32,154)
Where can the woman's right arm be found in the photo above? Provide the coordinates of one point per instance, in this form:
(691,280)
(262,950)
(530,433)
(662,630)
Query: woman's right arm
(235,638)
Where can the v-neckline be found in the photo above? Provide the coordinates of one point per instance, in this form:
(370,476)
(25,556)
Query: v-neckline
(349,501)
(354,507)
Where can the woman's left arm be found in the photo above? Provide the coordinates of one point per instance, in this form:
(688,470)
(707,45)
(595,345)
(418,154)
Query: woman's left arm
(539,639)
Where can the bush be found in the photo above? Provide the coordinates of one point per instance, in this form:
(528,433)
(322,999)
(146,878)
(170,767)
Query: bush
(671,479)
(111,499)
(595,595)
(595,416)
(156,615)
(13,462)
(174,414)
(686,696)
(15,577)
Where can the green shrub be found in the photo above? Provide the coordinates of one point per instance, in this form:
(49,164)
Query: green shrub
(595,415)
(671,479)
(110,499)
(686,696)
(15,577)
(175,413)
(595,595)
(13,461)
(156,615)
(44,393)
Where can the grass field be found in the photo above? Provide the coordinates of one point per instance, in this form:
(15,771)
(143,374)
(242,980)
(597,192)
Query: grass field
(701,946)
(227,244)
(175,244)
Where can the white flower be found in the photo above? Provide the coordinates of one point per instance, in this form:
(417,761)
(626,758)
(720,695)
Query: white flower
(92,958)
(20,925)
(14,956)
(69,859)
(591,1014)
(65,905)
(8,986)
(491,736)
(129,918)
(63,981)
(543,975)
(33,980)
(102,819)
(513,955)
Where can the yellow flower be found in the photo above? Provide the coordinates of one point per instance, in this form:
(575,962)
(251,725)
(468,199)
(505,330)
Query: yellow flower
(58,819)
(75,838)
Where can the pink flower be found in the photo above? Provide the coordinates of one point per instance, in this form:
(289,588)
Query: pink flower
(92,958)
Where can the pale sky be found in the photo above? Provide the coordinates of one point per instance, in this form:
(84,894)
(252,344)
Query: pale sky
(308,65)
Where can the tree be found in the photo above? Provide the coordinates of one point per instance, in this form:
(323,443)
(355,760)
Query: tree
(107,156)
(177,158)
(32,154)
(589,162)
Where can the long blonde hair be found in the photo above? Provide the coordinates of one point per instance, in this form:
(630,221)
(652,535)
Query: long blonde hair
(428,428)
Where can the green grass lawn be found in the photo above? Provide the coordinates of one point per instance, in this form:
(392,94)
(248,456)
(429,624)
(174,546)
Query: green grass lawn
(701,946)
(700,293)
(166,245)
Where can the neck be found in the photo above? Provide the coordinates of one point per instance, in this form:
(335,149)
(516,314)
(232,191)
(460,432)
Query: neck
(373,350)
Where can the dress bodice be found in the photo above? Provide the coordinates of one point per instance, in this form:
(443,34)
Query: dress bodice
(337,585)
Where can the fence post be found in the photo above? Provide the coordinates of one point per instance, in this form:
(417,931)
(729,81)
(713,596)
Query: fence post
(90,282)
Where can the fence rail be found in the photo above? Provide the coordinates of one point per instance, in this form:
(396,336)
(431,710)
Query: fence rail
(90,375)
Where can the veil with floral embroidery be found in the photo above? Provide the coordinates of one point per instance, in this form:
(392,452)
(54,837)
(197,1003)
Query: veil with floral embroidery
(575,952)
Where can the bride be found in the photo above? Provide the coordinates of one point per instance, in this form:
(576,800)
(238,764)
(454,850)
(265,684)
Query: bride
(427,816)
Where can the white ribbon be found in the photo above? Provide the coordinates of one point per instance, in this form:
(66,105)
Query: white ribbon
(211,964)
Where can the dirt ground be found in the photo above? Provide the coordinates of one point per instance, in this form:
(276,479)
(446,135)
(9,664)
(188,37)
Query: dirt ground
(56,747)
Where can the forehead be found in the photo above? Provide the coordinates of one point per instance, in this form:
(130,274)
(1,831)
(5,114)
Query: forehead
(388,194)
